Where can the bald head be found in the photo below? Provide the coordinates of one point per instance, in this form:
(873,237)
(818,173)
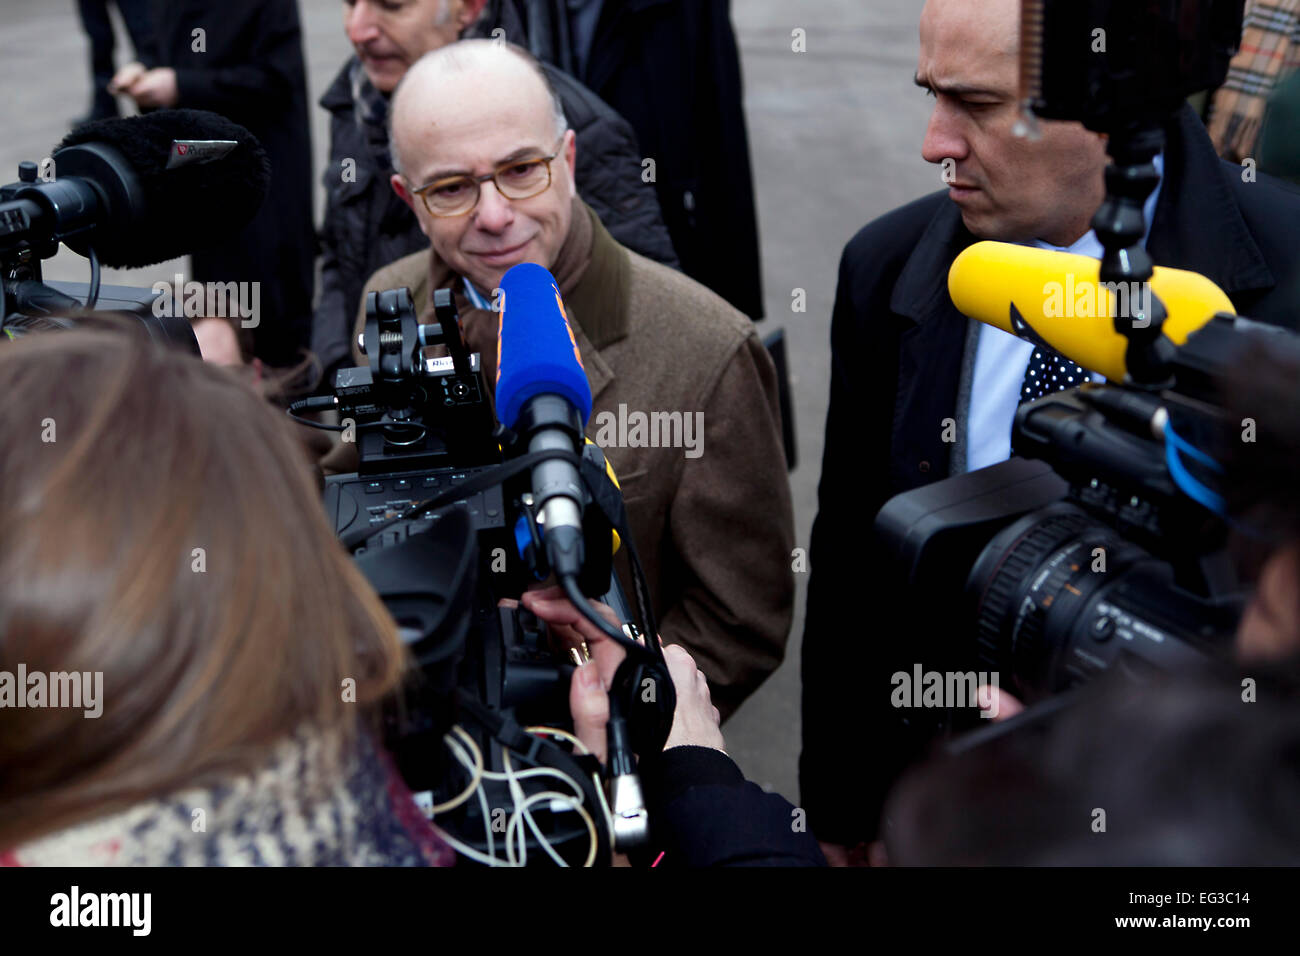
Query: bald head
(479,74)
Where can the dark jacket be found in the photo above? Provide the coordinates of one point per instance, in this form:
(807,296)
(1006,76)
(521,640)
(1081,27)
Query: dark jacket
(368,227)
(897,344)
(249,68)
(703,812)
(671,67)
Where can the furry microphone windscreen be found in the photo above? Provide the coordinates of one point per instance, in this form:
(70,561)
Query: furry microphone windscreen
(192,206)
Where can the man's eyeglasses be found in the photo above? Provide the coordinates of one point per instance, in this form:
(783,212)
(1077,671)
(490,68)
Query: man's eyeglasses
(458,195)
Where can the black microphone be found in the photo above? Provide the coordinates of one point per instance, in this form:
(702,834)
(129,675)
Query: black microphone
(141,190)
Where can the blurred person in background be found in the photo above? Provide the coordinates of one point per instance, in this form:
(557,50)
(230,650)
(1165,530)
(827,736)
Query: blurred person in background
(1270,52)
(207,589)
(673,69)
(244,60)
(98,24)
(367,226)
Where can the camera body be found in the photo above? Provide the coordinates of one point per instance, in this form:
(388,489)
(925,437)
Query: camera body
(1076,556)
(445,529)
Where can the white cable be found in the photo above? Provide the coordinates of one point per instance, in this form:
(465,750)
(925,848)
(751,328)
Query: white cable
(575,805)
(595,777)
(476,771)
(465,761)
(521,811)
(476,767)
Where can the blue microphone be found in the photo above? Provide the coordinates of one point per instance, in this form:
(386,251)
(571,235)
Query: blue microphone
(543,397)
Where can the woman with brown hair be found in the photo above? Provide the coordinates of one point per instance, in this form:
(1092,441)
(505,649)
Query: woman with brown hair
(161,532)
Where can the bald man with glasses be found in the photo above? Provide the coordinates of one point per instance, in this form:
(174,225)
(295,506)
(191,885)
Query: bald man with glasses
(487,166)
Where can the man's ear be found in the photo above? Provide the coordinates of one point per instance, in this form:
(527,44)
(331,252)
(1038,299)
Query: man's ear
(571,157)
(403,193)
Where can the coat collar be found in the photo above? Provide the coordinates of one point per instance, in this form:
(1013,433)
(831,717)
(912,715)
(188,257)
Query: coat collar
(338,96)
(921,292)
(1198,227)
(594,273)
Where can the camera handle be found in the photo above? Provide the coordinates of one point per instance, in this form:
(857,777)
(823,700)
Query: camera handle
(1121,224)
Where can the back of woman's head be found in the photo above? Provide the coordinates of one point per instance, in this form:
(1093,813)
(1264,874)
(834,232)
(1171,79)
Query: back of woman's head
(161,524)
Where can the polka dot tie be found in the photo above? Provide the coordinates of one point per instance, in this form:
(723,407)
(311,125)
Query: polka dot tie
(1050,372)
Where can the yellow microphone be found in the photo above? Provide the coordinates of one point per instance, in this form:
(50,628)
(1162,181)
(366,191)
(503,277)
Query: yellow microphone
(1056,299)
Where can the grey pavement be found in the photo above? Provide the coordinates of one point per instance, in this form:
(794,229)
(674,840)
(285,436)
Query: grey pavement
(835,136)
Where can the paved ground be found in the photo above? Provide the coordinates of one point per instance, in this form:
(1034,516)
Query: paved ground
(835,135)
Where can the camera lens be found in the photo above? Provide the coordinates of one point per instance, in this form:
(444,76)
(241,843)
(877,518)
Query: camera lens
(1033,583)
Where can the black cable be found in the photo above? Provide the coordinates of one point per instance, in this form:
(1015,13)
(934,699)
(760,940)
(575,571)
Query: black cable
(315,403)
(92,298)
(579,600)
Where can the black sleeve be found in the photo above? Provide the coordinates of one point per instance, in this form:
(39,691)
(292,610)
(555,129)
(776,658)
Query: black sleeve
(259,49)
(705,813)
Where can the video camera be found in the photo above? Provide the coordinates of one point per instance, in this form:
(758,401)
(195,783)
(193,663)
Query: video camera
(1103,544)
(109,192)
(449,513)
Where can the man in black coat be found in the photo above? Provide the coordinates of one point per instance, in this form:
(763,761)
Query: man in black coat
(672,68)
(243,59)
(368,227)
(97,23)
(904,362)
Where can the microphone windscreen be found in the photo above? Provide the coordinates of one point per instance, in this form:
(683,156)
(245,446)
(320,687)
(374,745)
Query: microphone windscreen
(1058,298)
(203,200)
(536,350)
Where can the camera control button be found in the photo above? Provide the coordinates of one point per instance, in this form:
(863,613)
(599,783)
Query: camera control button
(1103,628)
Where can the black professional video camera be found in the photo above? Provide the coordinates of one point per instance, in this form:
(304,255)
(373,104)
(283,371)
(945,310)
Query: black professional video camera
(111,191)
(442,519)
(1103,545)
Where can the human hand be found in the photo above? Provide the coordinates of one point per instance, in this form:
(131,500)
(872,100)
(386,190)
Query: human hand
(589,687)
(695,721)
(124,77)
(155,89)
(997,703)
